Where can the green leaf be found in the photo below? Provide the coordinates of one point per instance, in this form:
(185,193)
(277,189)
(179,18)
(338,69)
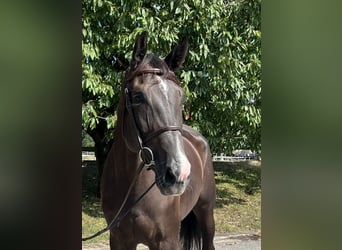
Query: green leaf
(220,75)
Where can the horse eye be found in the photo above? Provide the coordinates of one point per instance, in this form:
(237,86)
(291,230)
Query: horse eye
(138,98)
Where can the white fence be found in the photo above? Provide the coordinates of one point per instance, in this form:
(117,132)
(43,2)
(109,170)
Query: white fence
(225,158)
(89,155)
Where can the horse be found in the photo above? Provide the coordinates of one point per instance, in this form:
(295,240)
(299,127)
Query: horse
(177,212)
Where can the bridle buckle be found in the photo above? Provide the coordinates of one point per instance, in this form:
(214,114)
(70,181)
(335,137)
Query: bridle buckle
(146,156)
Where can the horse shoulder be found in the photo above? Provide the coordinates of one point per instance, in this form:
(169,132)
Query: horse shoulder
(198,141)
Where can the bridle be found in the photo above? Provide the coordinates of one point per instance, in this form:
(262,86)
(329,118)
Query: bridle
(143,150)
(145,155)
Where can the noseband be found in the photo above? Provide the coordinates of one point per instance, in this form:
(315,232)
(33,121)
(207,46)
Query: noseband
(142,141)
(153,134)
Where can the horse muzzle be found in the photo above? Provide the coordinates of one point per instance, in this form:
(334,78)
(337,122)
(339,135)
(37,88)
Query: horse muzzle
(175,178)
(174,189)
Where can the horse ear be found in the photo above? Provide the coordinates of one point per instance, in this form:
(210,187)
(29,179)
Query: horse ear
(177,56)
(140,48)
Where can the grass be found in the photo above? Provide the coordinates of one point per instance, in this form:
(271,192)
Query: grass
(238,198)
(92,215)
(238,201)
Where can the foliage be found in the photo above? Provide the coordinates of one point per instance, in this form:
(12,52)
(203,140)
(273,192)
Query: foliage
(87,141)
(221,75)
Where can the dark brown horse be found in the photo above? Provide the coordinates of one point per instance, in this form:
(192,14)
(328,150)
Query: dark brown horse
(177,213)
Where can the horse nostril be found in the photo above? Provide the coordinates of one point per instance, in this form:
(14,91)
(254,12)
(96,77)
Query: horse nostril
(170,177)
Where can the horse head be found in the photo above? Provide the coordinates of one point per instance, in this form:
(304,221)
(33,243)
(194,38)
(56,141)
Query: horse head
(154,110)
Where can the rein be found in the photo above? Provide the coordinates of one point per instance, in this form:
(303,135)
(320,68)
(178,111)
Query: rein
(116,220)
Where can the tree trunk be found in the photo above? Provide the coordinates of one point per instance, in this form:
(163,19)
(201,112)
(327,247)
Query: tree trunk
(102,147)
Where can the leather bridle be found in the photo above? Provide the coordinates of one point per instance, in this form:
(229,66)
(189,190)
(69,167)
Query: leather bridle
(144,151)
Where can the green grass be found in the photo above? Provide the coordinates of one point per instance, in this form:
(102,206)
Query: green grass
(238,198)
(238,203)
(92,215)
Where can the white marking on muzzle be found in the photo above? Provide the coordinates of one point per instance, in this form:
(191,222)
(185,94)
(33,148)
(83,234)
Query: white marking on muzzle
(185,168)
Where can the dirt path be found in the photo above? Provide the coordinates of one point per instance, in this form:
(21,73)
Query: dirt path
(248,241)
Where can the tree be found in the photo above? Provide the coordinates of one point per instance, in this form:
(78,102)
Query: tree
(221,76)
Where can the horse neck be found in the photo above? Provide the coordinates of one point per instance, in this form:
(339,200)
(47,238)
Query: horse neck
(119,134)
